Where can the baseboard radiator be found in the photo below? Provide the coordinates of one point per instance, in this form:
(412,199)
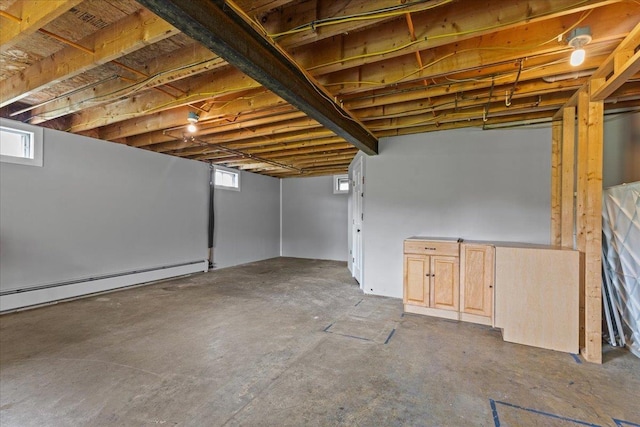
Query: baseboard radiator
(15,299)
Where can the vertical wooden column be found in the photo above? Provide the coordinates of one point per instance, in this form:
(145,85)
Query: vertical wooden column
(593,252)
(581,200)
(581,170)
(556,183)
(568,177)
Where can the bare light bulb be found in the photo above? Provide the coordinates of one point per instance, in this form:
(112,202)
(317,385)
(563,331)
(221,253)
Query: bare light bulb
(192,128)
(577,57)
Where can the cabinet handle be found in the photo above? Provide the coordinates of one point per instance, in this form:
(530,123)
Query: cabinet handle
(430,249)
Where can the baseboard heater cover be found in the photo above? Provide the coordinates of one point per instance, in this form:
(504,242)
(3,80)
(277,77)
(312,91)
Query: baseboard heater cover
(21,298)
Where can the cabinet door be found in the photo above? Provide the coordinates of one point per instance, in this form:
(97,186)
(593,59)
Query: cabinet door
(416,280)
(445,282)
(477,279)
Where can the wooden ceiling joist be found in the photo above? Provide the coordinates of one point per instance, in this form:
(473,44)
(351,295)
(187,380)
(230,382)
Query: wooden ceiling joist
(614,71)
(476,58)
(141,28)
(170,69)
(621,65)
(227,33)
(456,22)
(22,19)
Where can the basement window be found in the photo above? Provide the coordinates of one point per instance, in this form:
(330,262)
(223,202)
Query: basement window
(227,179)
(21,144)
(340,184)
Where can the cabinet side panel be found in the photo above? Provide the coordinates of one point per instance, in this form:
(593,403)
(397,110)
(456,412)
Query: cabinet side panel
(537,297)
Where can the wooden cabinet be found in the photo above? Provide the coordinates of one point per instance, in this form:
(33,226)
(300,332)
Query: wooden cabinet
(432,277)
(431,281)
(528,291)
(445,278)
(476,282)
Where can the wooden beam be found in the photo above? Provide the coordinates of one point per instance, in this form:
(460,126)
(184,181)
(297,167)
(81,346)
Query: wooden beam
(581,170)
(531,83)
(227,33)
(179,64)
(593,251)
(208,123)
(568,176)
(556,166)
(309,16)
(620,77)
(276,128)
(581,198)
(469,54)
(260,7)
(140,29)
(137,109)
(497,109)
(624,58)
(453,23)
(206,86)
(441,57)
(621,65)
(23,18)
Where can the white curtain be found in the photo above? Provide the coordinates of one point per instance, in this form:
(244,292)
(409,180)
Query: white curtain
(621,260)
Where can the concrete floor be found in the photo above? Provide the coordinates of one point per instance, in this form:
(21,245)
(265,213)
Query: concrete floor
(288,342)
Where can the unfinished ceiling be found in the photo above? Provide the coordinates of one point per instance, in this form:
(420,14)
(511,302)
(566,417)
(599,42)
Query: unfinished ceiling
(112,69)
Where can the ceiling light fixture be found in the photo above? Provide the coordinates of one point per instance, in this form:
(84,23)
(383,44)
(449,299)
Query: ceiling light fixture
(192,118)
(577,39)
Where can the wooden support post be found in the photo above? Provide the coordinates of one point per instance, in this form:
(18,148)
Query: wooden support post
(581,197)
(581,172)
(593,252)
(556,143)
(568,177)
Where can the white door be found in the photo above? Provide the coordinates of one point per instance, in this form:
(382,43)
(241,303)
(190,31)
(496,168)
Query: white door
(356,199)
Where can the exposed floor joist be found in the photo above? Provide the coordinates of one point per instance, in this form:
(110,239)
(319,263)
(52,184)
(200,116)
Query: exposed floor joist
(22,19)
(228,34)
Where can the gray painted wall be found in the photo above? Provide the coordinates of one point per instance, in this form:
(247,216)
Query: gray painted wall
(98,208)
(467,183)
(621,149)
(247,221)
(314,220)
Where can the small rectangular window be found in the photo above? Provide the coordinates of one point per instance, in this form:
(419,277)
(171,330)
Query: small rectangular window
(20,143)
(227,179)
(340,184)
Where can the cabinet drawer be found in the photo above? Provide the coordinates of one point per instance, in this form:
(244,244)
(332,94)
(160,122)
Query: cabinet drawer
(431,247)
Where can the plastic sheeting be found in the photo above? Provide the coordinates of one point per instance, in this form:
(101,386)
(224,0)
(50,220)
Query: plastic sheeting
(621,260)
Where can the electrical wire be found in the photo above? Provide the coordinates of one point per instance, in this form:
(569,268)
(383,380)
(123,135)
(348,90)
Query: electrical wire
(118,93)
(329,21)
(388,12)
(448,35)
